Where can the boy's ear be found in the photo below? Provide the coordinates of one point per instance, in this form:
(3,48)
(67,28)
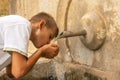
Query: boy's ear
(42,23)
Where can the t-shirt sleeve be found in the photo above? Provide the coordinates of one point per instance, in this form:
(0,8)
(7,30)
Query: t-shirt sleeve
(16,38)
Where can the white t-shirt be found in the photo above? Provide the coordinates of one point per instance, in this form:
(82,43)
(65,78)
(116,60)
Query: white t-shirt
(14,36)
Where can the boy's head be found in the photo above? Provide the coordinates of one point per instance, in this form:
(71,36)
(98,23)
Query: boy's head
(44,29)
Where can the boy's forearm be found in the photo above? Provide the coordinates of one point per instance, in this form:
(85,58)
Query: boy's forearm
(32,60)
(22,65)
(25,65)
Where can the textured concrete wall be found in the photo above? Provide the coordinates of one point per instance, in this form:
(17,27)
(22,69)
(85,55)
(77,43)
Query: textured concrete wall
(75,61)
(107,57)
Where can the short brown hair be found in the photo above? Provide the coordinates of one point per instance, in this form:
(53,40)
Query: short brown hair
(50,22)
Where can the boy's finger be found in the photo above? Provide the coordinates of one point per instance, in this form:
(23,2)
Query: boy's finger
(54,45)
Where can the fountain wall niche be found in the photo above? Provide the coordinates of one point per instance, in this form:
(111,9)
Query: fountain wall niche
(93,56)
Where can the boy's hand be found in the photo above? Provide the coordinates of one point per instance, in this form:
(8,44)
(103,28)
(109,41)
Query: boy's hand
(49,50)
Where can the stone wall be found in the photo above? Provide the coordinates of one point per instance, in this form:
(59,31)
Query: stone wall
(75,61)
(4,7)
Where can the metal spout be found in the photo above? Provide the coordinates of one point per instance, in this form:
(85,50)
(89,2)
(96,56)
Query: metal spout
(66,34)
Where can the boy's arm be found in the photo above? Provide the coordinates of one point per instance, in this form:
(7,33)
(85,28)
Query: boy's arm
(21,65)
(18,62)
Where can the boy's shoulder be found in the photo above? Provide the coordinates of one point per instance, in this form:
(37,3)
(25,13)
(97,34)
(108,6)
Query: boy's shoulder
(13,18)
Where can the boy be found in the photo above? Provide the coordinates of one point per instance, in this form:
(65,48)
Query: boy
(15,33)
